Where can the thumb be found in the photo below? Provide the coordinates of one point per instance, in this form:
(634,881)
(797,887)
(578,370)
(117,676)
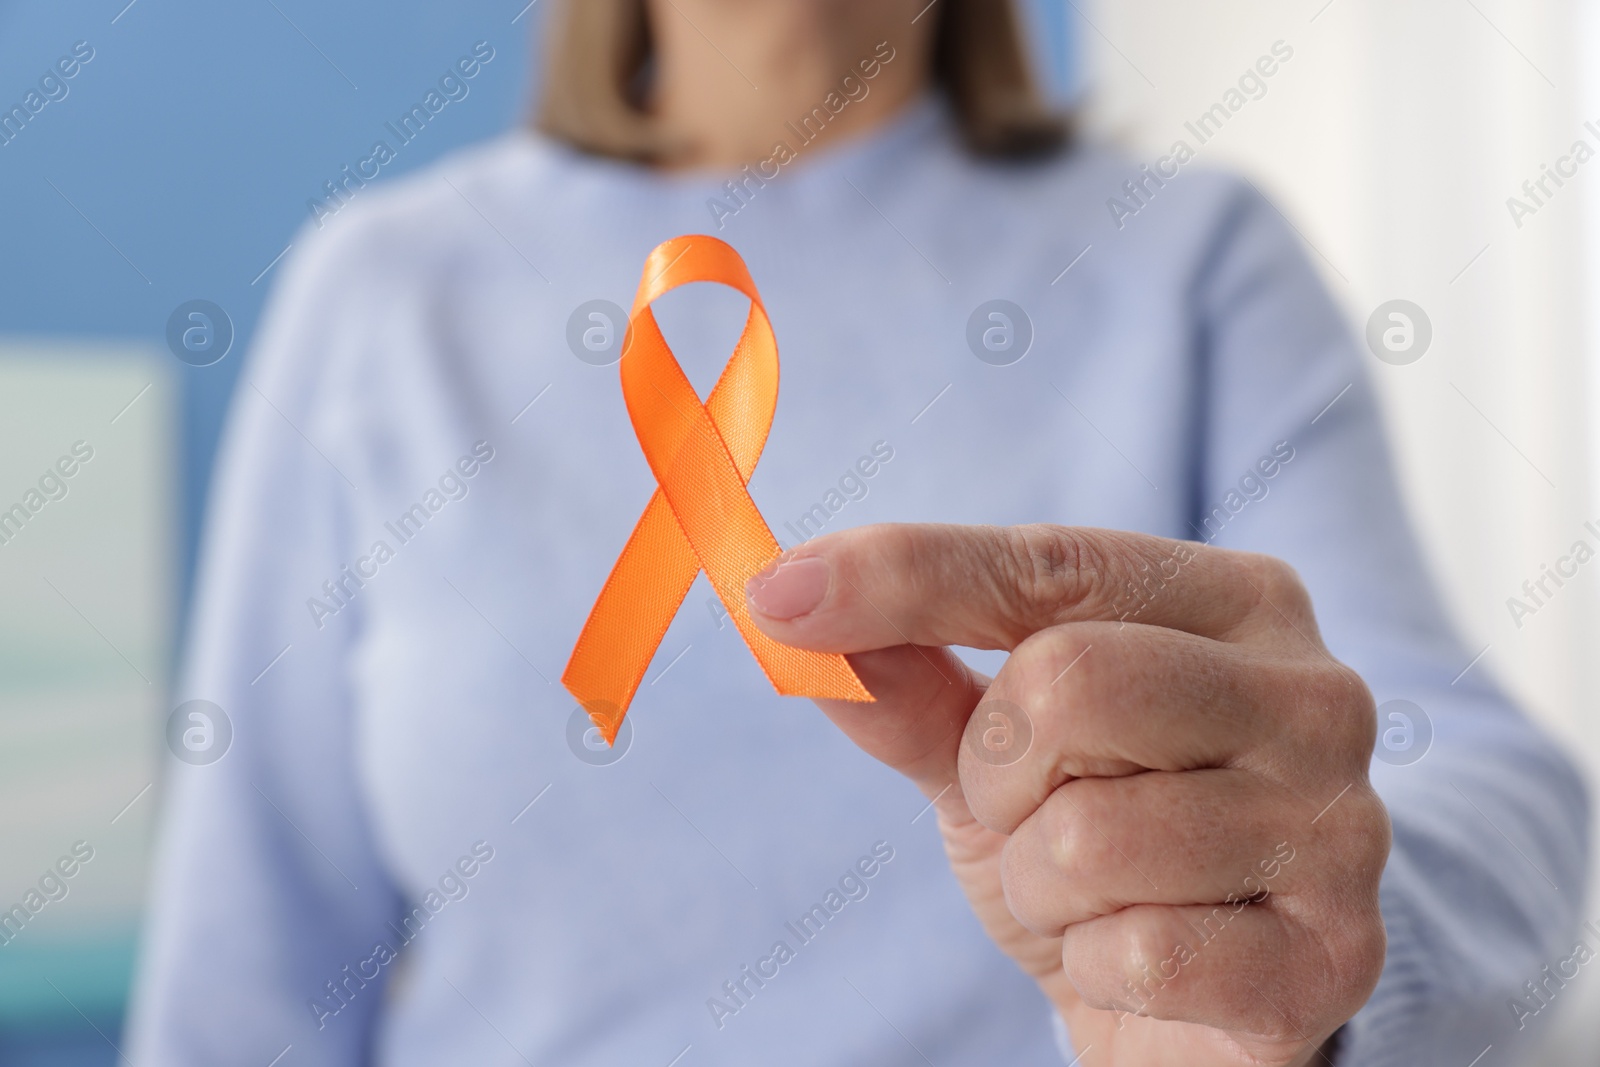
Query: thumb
(923,698)
(923,693)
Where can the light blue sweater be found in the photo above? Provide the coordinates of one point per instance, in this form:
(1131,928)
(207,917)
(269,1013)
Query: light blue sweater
(406,857)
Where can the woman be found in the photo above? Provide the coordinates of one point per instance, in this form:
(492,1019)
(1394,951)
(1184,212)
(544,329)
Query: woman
(416,853)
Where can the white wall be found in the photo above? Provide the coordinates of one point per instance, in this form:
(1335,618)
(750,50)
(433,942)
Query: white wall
(1392,140)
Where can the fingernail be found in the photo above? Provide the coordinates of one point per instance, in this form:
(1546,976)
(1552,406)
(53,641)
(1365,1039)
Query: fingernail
(789,589)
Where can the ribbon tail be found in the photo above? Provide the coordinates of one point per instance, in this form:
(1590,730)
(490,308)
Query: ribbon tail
(827,676)
(643,593)
(797,672)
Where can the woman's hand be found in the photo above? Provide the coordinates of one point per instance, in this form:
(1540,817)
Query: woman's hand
(1159,807)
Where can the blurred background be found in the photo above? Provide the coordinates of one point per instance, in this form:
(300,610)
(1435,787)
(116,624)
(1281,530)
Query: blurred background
(150,195)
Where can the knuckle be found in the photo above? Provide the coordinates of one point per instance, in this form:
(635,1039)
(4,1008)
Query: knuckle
(1049,564)
(1073,825)
(1290,592)
(1360,713)
(1279,586)
(1370,836)
(1338,698)
(1351,930)
(1354,945)
(1146,944)
(1362,953)
(1055,663)
(1332,687)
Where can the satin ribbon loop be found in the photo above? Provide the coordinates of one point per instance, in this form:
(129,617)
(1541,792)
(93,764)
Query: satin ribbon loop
(701,516)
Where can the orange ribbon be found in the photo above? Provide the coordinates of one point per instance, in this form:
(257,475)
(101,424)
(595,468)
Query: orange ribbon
(701,515)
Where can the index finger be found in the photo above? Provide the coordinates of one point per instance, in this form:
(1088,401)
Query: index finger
(992,586)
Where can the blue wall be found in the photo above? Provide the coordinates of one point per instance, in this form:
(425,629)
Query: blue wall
(192,141)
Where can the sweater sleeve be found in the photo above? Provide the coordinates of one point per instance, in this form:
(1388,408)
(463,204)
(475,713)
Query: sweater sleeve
(269,894)
(1485,880)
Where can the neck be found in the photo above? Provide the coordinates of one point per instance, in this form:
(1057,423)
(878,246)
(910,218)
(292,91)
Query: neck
(730,74)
